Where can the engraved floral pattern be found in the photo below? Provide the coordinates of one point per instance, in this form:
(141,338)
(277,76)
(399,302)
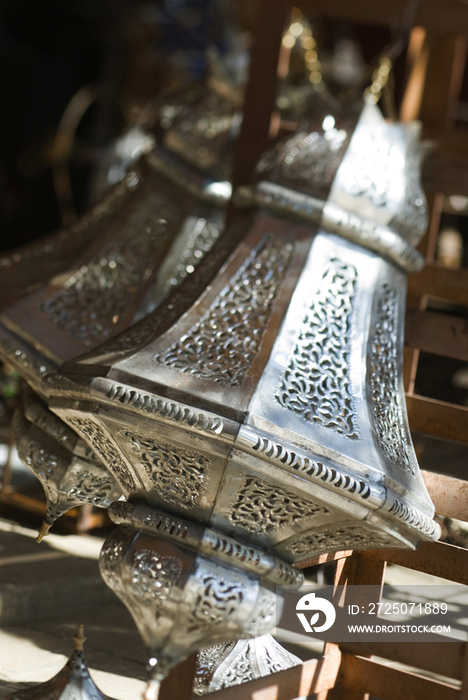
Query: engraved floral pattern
(384,378)
(223,344)
(177,475)
(316,383)
(262,508)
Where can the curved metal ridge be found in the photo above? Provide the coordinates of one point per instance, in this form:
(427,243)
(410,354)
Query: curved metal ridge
(375,237)
(205,189)
(206,541)
(408,514)
(146,403)
(333,219)
(299,461)
(280,199)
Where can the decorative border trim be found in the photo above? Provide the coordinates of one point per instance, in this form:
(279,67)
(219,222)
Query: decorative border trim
(425,526)
(206,541)
(151,404)
(377,238)
(303,465)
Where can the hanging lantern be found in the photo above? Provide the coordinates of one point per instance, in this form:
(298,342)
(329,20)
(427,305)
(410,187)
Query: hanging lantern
(265,415)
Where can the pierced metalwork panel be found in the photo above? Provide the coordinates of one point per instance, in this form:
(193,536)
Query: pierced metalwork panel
(100,297)
(179,471)
(176,474)
(88,483)
(386,398)
(196,238)
(316,383)
(225,665)
(223,344)
(88,304)
(371,178)
(322,473)
(101,443)
(218,599)
(179,598)
(265,506)
(25,268)
(313,384)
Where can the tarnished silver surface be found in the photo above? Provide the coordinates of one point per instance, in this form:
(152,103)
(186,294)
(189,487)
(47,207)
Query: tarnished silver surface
(68,470)
(180,598)
(73,682)
(273,409)
(232,663)
(257,417)
(145,238)
(376,197)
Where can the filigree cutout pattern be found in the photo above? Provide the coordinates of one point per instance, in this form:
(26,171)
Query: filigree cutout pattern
(153,576)
(316,384)
(340,537)
(42,259)
(43,461)
(384,378)
(264,615)
(94,489)
(217,601)
(178,475)
(208,661)
(200,241)
(95,436)
(239,671)
(262,508)
(110,561)
(312,159)
(223,344)
(87,305)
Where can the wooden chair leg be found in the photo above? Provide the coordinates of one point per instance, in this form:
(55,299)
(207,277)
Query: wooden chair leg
(179,683)
(355,571)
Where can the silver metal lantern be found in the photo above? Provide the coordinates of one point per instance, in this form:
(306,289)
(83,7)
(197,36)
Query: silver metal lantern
(262,417)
